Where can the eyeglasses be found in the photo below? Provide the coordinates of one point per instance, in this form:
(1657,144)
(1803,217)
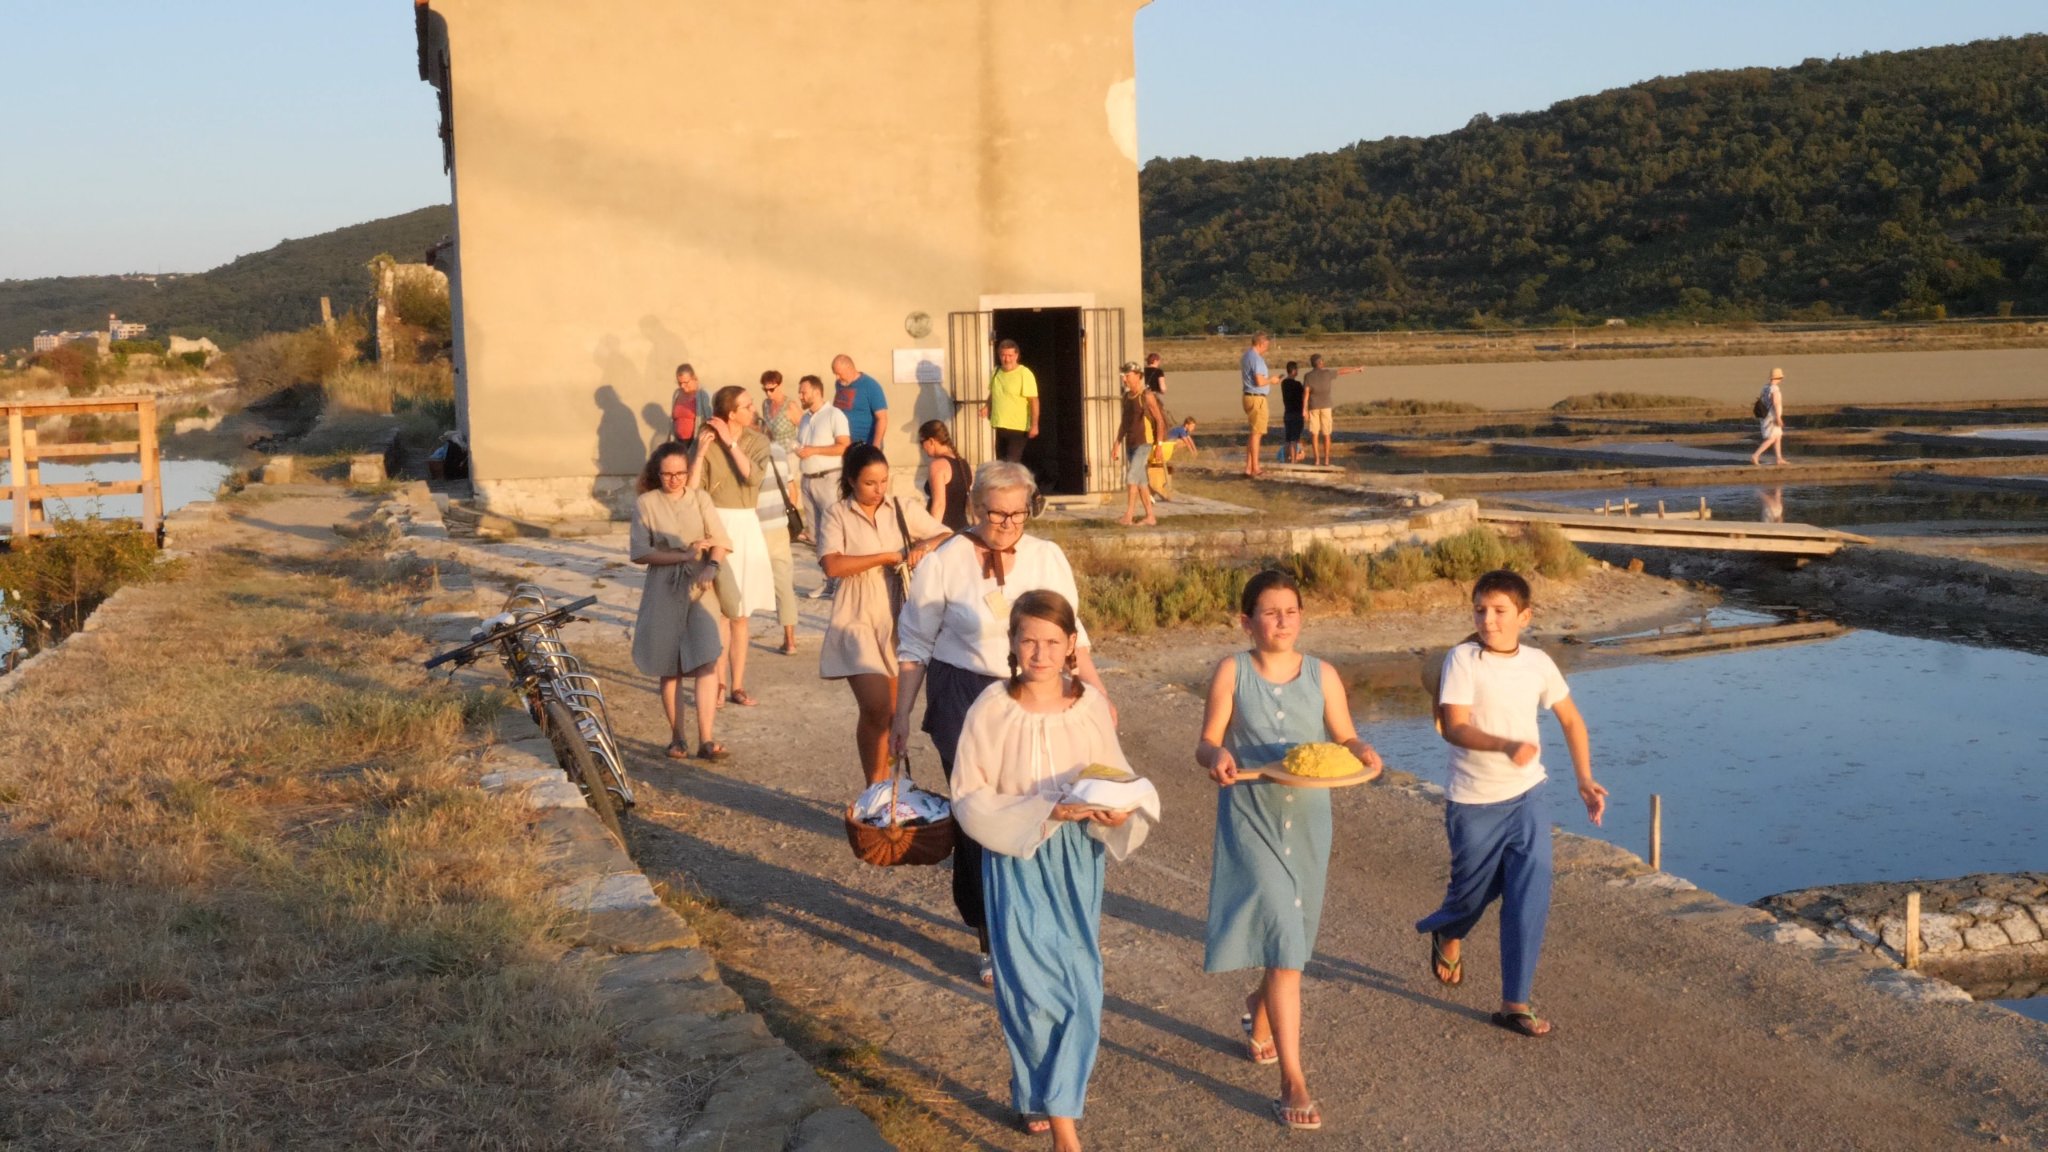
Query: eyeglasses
(683,475)
(1007,518)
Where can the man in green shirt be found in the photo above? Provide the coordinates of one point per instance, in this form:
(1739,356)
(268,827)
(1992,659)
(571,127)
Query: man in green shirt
(1012,403)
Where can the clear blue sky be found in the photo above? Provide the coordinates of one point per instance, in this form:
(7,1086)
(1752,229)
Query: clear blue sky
(140,135)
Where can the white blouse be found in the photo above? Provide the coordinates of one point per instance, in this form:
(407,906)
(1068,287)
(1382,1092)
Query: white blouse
(1013,766)
(951,615)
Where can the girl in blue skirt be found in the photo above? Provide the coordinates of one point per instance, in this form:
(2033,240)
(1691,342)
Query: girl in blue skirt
(1272,840)
(1023,745)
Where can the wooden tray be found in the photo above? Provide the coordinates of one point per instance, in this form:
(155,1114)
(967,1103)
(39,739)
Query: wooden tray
(1273,773)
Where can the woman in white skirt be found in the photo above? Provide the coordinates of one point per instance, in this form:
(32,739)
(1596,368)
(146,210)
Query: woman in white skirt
(732,460)
(1770,421)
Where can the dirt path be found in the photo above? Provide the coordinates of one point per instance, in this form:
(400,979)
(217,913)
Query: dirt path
(1677,1028)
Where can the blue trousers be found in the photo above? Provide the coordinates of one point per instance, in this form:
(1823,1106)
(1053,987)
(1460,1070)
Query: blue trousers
(1499,851)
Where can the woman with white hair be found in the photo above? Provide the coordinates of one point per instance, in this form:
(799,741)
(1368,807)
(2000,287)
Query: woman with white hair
(953,636)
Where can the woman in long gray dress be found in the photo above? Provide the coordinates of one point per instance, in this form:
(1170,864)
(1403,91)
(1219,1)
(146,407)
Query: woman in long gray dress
(677,534)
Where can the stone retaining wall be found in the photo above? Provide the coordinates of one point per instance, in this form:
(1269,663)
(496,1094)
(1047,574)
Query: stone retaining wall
(1420,526)
(1976,930)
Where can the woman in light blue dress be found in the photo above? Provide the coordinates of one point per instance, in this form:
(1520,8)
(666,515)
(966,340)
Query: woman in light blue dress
(1272,841)
(1023,746)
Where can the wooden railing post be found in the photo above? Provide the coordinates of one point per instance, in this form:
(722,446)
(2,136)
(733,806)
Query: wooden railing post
(17,457)
(152,470)
(1912,949)
(1656,832)
(30,495)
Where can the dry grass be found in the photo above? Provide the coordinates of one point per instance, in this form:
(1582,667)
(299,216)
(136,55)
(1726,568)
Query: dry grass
(252,903)
(1624,401)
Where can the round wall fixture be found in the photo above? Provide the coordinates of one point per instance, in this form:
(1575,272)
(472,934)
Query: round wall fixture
(918,324)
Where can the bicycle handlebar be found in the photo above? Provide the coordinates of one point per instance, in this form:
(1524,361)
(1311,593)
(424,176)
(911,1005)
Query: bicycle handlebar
(500,633)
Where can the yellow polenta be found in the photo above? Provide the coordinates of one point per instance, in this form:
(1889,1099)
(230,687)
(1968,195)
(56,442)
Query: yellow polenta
(1321,760)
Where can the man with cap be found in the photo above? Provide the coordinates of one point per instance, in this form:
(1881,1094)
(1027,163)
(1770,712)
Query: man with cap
(1142,425)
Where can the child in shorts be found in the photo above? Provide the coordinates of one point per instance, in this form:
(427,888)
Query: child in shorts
(1499,828)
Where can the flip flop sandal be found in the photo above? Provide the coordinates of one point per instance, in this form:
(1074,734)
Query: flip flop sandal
(1437,959)
(986,973)
(677,751)
(1303,1119)
(1522,1024)
(741,698)
(1036,1125)
(712,751)
(1257,1053)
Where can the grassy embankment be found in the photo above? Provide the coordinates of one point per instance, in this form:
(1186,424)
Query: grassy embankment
(252,900)
(1135,594)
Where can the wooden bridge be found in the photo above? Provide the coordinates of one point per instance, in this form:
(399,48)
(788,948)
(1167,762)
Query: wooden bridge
(1671,532)
(25,454)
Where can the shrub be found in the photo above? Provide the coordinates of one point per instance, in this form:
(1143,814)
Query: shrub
(1553,555)
(422,301)
(191,359)
(279,360)
(77,367)
(1468,555)
(52,583)
(1615,401)
(136,348)
(1402,566)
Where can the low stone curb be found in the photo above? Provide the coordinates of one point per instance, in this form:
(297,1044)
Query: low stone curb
(1981,929)
(740,1089)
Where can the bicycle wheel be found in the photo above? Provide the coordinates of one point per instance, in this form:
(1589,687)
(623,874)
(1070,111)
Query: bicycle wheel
(575,758)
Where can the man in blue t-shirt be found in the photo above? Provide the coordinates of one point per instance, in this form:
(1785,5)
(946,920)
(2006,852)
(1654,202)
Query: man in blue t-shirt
(1258,384)
(861,398)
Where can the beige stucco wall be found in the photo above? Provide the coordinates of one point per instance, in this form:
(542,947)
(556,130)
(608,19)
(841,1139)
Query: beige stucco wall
(746,186)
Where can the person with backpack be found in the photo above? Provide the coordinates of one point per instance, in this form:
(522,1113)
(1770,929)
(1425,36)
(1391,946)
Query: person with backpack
(1770,421)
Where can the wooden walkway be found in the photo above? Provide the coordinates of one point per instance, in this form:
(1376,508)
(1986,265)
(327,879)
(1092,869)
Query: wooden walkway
(1704,535)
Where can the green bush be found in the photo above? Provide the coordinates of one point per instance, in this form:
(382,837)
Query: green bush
(1554,556)
(192,359)
(271,363)
(136,348)
(422,301)
(50,584)
(78,367)
(1469,555)
(1402,566)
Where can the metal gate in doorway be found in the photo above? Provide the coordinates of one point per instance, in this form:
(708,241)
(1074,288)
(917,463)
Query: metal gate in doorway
(1089,385)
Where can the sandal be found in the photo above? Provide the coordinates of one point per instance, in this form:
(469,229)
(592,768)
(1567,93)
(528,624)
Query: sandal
(1523,1024)
(677,750)
(1257,1053)
(740,697)
(987,975)
(1036,1125)
(1446,971)
(1306,1119)
(711,750)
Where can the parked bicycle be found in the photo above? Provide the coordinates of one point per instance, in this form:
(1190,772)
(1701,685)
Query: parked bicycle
(561,696)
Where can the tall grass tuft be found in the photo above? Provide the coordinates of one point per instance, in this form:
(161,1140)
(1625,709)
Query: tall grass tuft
(50,584)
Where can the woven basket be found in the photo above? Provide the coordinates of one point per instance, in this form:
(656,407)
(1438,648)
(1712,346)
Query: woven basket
(898,844)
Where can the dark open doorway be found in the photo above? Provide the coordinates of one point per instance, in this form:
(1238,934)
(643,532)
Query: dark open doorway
(1049,343)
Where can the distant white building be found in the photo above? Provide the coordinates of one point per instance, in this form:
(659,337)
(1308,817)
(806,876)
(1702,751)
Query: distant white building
(116,330)
(46,341)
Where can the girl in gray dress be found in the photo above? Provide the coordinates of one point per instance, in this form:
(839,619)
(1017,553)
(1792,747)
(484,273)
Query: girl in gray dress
(1272,840)
(677,533)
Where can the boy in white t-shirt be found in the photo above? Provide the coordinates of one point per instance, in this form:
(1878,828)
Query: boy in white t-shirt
(1487,709)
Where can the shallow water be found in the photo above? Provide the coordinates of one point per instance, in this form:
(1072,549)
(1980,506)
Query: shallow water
(2034,435)
(1868,757)
(1864,506)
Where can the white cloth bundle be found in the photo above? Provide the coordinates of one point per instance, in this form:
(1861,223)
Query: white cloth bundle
(1118,795)
(913,805)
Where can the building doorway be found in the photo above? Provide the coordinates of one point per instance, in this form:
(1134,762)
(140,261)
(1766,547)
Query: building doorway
(1049,343)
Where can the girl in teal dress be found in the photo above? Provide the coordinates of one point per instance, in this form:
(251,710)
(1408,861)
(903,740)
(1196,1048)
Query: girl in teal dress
(1272,840)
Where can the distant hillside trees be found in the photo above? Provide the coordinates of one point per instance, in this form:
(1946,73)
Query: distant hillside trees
(276,290)
(1902,185)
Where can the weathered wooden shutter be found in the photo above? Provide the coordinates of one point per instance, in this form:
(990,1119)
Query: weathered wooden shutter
(1102,353)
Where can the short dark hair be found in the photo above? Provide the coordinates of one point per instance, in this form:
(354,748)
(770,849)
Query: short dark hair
(858,459)
(1263,583)
(726,400)
(1007,345)
(771,376)
(1293,365)
(813,381)
(650,472)
(685,367)
(1315,360)
(1509,584)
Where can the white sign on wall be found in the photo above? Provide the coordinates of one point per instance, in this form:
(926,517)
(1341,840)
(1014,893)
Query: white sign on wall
(921,366)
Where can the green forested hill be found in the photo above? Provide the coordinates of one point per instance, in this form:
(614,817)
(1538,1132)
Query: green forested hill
(1890,184)
(273,290)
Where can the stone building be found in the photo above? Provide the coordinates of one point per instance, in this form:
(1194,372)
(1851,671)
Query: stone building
(749,186)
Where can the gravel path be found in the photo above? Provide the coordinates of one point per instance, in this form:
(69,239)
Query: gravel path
(1678,1026)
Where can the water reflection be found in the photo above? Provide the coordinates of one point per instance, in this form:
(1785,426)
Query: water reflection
(1832,505)
(1869,757)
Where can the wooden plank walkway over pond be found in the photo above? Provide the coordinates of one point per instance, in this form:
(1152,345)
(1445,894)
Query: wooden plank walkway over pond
(1705,535)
